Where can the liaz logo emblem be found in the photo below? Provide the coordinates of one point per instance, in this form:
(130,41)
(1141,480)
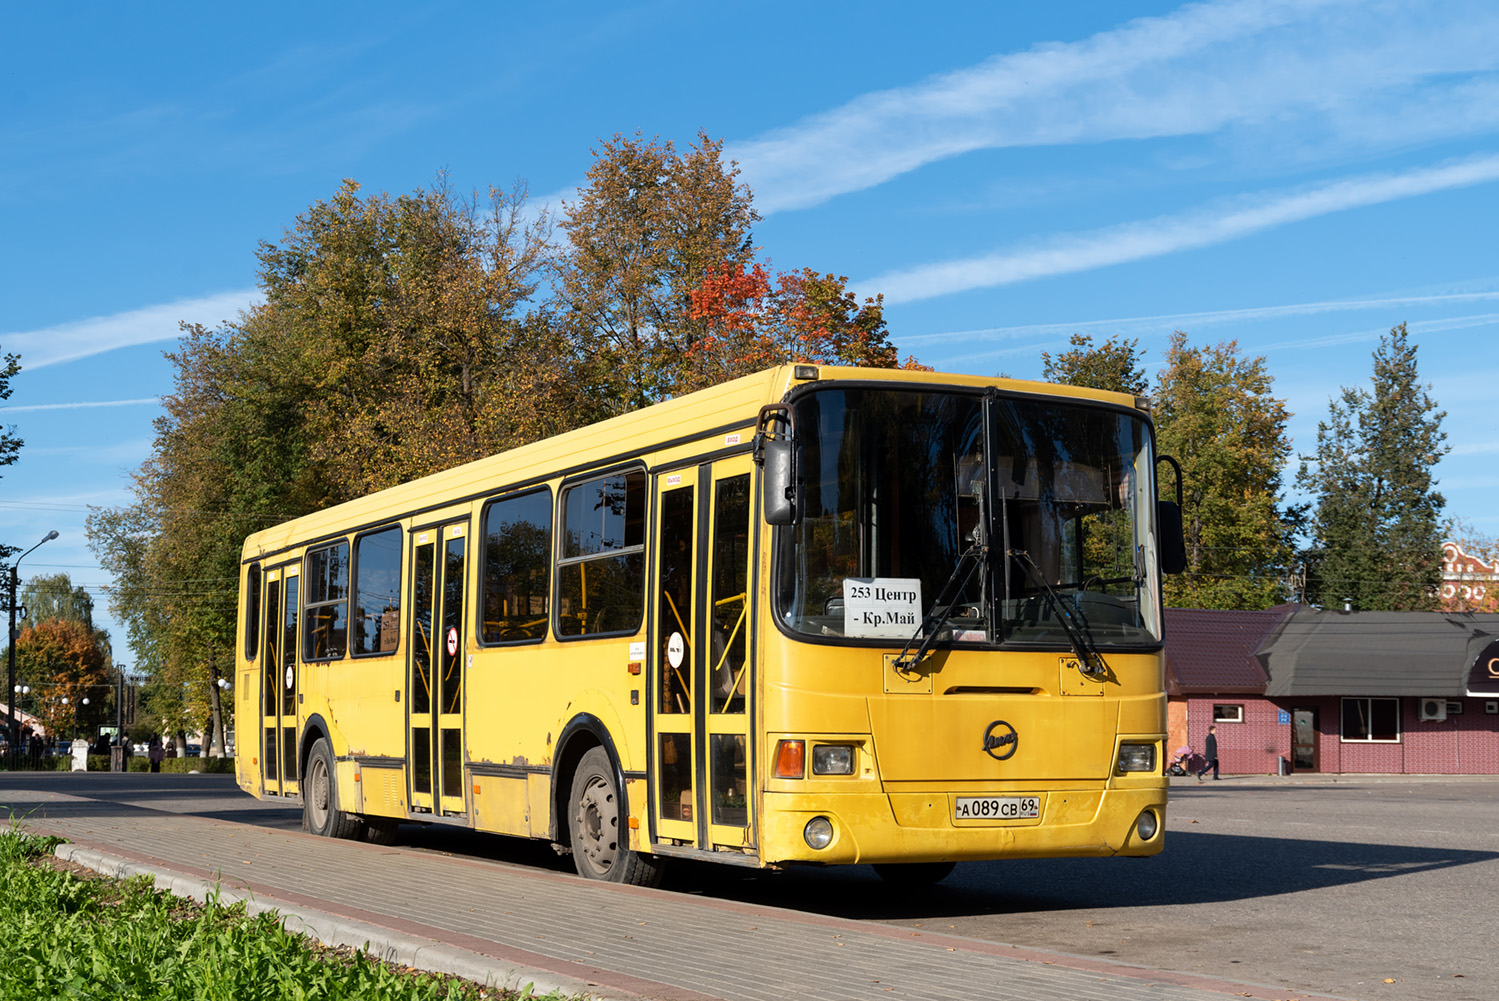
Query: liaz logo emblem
(1000,740)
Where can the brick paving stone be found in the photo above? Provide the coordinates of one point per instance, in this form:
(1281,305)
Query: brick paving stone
(626,941)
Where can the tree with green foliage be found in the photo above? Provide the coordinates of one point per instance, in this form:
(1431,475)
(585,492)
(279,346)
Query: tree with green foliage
(1376,528)
(648,227)
(10,444)
(53,596)
(1216,413)
(1114,365)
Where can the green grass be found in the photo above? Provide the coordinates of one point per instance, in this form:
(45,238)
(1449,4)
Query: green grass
(71,937)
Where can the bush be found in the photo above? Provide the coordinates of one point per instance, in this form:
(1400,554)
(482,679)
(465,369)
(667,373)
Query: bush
(208,766)
(126,941)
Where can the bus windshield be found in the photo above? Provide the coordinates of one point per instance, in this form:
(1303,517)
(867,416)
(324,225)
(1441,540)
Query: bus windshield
(980,516)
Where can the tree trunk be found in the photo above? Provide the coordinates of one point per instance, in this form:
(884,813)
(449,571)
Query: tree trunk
(214,745)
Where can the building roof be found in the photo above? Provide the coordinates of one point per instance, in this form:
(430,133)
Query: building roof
(1213,651)
(1324,652)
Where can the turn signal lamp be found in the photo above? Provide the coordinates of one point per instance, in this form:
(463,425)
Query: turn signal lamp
(791,759)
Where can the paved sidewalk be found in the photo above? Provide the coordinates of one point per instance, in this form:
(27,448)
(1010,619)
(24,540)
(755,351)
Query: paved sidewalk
(514,925)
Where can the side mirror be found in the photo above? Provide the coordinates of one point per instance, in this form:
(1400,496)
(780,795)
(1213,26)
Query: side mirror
(776,457)
(1168,524)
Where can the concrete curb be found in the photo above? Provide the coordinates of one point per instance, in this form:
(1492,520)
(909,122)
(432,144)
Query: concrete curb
(382,943)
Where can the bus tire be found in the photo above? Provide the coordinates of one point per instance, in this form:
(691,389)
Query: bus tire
(380,830)
(914,873)
(600,839)
(320,812)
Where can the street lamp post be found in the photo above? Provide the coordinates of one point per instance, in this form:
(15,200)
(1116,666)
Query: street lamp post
(14,734)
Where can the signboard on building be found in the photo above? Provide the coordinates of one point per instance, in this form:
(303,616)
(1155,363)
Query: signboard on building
(1483,676)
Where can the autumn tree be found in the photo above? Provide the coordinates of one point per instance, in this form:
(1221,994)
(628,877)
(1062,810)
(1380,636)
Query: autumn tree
(1114,365)
(1216,413)
(646,229)
(1376,529)
(415,341)
(391,344)
(62,658)
(750,324)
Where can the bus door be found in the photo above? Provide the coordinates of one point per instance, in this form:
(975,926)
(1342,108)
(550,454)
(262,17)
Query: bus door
(703,657)
(437,662)
(279,683)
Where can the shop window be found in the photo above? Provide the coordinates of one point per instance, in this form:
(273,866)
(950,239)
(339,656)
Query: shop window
(1233,713)
(1371,720)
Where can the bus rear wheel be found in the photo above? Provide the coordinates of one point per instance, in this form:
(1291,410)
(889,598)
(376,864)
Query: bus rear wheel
(914,873)
(320,812)
(600,840)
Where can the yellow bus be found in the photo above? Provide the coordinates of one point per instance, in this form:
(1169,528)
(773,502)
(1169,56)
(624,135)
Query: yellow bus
(814,615)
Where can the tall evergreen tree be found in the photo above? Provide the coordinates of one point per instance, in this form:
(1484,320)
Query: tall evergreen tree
(1376,530)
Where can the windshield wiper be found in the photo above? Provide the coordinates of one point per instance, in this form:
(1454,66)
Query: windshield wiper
(935,621)
(1089,660)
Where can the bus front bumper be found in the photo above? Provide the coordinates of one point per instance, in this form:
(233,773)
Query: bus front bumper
(923,827)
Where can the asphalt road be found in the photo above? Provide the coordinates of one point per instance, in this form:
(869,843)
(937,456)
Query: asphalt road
(1327,885)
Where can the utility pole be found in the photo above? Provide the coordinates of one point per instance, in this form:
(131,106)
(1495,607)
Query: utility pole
(13,736)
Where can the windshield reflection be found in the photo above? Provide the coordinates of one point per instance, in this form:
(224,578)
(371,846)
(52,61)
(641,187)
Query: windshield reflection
(899,486)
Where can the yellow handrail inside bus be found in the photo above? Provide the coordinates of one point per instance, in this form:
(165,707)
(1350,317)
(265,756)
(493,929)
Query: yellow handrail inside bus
(687,639)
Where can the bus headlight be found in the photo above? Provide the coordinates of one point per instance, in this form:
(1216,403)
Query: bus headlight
(832,759)
(1136,758)
(1147,825)
(818,833)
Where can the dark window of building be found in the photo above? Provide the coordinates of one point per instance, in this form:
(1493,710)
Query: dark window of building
(1233,713)
(1373,720)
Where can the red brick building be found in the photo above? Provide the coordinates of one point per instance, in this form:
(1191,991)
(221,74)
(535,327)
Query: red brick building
(1313,690)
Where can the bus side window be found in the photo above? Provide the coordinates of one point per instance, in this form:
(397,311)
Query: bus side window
(252,612)
(377,592)
(517,557)
(325,628)
(601,575)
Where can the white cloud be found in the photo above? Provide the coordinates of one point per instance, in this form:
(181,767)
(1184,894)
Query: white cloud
(82,338)
(1135,241)
(1126,325)
(1298,71)
(80,406)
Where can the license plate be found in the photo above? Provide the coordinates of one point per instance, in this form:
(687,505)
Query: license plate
(996,808)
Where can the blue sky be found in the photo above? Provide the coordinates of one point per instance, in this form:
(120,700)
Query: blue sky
(1299,176)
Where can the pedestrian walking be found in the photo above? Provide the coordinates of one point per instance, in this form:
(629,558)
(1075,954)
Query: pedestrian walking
(1210,755)
(154,753)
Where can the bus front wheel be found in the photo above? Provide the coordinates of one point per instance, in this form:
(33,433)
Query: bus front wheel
(600,838)
(320,812)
